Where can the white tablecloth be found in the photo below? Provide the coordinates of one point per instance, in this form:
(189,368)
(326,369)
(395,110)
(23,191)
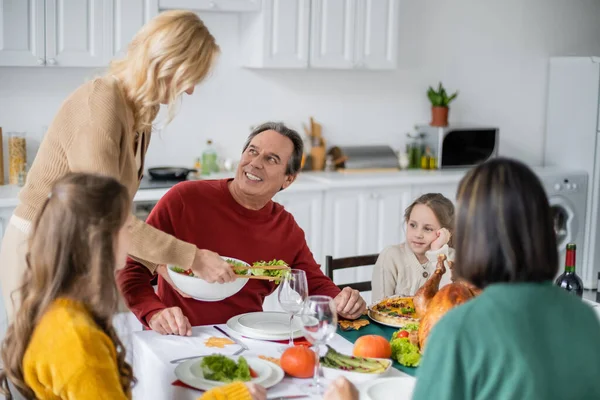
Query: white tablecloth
(152,354)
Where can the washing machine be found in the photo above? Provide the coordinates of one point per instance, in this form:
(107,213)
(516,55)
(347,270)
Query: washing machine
(567,194)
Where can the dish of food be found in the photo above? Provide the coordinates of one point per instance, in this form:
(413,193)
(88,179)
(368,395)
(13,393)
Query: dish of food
(355,369)
(272,270)
(199,289)
(394,311)
(207,372)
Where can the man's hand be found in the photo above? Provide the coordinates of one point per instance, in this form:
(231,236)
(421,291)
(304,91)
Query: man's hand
(349,303)
(341,389)
(171,321)
(256,391)
(162,271)
(212,268)
(443,237)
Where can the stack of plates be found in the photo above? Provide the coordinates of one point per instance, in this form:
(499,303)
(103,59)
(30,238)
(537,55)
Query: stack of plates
(190,373)
(397,388)
(265,325)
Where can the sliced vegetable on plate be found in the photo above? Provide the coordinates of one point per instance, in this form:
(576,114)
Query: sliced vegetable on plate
(367,365)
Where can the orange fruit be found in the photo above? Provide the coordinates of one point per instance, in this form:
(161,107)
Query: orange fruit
(298,361)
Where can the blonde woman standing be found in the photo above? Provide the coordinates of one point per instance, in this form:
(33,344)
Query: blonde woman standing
(104,127)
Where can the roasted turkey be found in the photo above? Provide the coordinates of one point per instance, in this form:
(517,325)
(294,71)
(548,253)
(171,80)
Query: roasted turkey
(431,302)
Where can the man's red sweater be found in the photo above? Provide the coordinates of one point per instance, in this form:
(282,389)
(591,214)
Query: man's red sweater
(205,213)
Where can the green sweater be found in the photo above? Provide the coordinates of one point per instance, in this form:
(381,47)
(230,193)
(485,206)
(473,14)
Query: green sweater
(514,341)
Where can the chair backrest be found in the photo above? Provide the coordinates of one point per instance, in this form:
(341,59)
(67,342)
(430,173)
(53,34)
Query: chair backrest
(333,264)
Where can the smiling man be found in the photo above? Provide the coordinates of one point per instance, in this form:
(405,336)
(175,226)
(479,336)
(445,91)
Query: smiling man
(235,218)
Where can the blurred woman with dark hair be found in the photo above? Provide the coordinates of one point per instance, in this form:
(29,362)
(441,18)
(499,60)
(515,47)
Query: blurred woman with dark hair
(523,337)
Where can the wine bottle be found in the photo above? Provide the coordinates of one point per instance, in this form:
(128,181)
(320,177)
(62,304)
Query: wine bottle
(569,280)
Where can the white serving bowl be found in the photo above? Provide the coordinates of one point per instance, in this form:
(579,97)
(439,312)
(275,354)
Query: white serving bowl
(353,376)
(199,289)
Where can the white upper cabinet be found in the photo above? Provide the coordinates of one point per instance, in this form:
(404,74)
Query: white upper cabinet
(333,30)
(128,16)
(211,5)
(377,34)
(278,36)
(22,33)
(354,34)
(335,34)
(69,33)
(75,31)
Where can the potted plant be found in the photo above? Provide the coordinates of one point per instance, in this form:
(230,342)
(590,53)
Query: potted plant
(439,105)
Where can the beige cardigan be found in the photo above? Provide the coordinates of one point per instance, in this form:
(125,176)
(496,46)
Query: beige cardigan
(399,272)
(93,132)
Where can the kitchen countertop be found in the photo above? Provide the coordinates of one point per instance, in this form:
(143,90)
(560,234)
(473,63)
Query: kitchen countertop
(151,190)
(307,181)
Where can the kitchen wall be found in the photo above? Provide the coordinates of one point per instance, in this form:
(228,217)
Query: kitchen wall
(494,52)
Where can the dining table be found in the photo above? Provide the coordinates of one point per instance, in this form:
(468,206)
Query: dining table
(152,354)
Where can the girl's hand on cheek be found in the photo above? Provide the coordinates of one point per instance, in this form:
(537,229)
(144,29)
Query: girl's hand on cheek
(443,237)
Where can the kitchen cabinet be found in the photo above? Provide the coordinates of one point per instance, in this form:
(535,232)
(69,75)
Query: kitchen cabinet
(128,16)
(307,210)
(69,33)
(354,34)
(278,36)
(333,29)
(75,31)
(377,34)
(22,33)
(363,221)
(211,5)
(337,34)
(53,33)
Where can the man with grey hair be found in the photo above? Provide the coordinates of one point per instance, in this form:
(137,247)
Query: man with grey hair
(236,218)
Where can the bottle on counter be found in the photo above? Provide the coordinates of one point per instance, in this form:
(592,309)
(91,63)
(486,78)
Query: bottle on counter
(209,159)
(569,280)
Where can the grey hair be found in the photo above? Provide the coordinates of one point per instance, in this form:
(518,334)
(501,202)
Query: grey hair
(295,161)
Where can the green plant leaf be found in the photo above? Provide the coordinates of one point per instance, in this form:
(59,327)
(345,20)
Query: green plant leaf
(452,97)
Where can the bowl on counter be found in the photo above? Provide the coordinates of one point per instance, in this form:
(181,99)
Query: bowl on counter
(354,376)
(199,289)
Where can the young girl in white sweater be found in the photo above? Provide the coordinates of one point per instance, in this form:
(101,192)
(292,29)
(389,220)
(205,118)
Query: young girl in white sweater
(402,269)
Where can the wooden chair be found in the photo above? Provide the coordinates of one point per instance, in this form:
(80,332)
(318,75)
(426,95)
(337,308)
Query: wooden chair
(333,264)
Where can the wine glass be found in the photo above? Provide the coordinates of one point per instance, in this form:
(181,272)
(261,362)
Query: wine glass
(293,290)
(319,323)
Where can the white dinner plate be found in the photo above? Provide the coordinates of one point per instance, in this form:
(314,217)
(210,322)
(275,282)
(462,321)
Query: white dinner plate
(397,388)
(190,373)
(234,325)
(270,323)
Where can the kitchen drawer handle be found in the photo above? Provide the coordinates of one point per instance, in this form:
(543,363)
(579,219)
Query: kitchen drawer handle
(41,61)
(52,61)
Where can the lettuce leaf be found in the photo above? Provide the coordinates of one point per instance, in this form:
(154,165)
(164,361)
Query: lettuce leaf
(276,273)
(223,369)
(405,352)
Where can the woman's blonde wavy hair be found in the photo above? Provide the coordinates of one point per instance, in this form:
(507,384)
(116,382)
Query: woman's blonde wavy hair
(170,54)
(71,254)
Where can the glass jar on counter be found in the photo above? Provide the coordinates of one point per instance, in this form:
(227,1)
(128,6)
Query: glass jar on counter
(17,156)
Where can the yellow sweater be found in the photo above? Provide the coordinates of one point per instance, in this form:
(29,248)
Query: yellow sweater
(70,357)
(93,132)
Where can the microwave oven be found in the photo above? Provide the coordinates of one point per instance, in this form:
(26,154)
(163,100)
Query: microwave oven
(460,147)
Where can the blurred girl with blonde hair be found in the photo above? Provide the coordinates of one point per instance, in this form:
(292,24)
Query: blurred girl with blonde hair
(105,126)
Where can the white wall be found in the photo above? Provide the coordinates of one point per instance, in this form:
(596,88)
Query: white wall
(494,52)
